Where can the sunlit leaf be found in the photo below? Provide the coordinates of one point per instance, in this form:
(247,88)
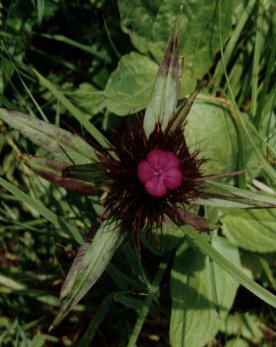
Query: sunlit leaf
(63,144)
(222,195)
(253,230)
(192,295)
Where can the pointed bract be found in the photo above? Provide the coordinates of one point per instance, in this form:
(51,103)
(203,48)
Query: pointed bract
(52,171)
(164,97)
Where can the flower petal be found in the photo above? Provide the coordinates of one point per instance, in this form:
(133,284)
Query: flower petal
(156,187)
(173,178)
(145,171)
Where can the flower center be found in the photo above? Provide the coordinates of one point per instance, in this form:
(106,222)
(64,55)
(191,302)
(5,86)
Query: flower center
(160,172)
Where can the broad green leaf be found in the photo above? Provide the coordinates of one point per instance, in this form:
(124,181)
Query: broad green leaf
(211,131)
(67,228)
(199,38)
(92,259)
(52,170)
(137,18)
(194,319)
(89,98)
(149,26)
(63,144)
(237,342)
(205,248)
(253,230)
(164,96)
(129,86)
(199,44)
(247,325)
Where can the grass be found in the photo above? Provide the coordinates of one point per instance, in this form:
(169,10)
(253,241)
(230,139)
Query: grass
(56,59)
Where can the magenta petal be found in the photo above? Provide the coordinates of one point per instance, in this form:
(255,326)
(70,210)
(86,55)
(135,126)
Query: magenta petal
(172,161)
(156,187)
(145,172)
(173,178)
(158,159)
(160,172)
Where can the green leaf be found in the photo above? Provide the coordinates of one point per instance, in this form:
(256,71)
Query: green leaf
(63,144)
(89,264)
(222,195)
(164,96)
(237,342)
(89,98)
(204,247)
(253,230)
(129,86)
(52,171)
(192,295)
(198,47)
(40,10)
(133,13)
(211,131)
(247,325)
(200,38)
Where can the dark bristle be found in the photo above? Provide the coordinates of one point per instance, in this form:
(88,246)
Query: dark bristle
(127,197)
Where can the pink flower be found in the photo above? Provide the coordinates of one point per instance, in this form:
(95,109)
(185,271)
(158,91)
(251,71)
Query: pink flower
(160,172)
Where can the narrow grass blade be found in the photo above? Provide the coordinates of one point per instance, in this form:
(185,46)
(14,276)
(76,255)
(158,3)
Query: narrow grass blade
(96,321)
(40,4)
(231,44)
(153,290)
(59,222)
(93,131)
(88,49)
(271,172)
(256,59)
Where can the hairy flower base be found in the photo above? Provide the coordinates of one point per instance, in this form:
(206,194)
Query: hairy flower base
(150,178)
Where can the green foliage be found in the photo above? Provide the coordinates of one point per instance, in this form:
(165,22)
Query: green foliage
(193,297)
(209,125)
(87,72)
(259,223)
(129,86)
